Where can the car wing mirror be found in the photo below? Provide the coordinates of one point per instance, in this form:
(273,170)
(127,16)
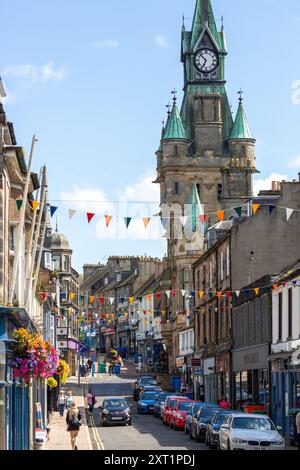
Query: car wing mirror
(225,426)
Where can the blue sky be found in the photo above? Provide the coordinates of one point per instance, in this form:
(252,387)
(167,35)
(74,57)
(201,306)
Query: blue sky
(91,78)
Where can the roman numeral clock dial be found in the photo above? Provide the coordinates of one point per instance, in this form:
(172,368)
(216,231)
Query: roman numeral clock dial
(206,60)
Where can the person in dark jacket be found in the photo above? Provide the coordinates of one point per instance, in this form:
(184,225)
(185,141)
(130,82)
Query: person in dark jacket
(73,420)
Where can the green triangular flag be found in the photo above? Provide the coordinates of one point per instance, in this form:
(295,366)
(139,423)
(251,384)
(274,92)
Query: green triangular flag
(19,203)
(141,299)
(238,210)
(211,294)
(127,221)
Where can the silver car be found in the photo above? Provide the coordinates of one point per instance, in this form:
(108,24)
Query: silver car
(250,432)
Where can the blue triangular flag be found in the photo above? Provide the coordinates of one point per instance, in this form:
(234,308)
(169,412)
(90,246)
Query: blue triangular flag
(53,209)
(164,223)
(271,208)
(192,293)
(295,283)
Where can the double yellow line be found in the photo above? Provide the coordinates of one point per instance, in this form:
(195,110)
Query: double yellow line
(98,441)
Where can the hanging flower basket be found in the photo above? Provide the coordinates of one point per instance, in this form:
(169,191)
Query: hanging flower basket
(32,357)
(63,371)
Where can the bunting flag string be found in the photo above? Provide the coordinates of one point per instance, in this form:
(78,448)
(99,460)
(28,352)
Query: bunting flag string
(72,212)
(127,221)
(53,209)
(90,216)
(19,203)
(255,208)
(108,219)
(146,221)
(35,205)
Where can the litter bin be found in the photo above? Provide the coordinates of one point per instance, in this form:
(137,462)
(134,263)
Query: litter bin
(292,426)
(117,369)
(102,368)
(136,358)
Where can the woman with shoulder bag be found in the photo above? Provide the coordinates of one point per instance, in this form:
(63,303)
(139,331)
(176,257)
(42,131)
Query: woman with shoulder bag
(73,421)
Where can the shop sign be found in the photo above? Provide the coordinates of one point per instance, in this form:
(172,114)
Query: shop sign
(209,366)
(196,362)
(251,358)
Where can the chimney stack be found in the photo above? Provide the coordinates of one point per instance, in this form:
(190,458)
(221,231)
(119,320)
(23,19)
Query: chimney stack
(274,185)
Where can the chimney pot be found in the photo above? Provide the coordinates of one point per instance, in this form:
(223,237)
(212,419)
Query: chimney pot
(274,185)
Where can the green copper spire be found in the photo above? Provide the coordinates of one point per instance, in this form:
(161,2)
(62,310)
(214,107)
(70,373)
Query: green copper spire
(204,15)
(174,128)
(195,207)
(241,129)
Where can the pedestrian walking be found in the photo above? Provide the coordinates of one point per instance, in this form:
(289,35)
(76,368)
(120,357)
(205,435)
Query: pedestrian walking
(89,365)
(70,399)
(73,420)
(91,400)
(298,428)
(61,400)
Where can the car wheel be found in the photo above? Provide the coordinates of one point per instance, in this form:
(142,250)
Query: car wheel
(185,430)
(130,423)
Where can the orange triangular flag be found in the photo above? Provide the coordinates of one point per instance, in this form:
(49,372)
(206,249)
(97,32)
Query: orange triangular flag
(255,208)
(92,298)
(146,221)
(275,286)
(35,205)
(256,290)
(108,219)
(149,297)
(201,294)
(219,294)
(221,215)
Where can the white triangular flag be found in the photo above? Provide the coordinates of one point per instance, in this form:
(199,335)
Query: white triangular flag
(168,292)
(111,299)
(237,293)
(183,220)
(71,213)
(53,295)
(289,213)
(183,292)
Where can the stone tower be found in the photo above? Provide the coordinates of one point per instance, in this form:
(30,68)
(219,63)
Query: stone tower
(206,159)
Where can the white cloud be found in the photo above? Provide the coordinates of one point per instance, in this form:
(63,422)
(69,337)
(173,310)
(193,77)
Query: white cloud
(266,183)
(161,41)
(143,190)
(108,44)
(34,73)
(295,163)
(87,200)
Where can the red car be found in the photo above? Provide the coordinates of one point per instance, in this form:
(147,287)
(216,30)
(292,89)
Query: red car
(179,412)
(170,406)
(170,401)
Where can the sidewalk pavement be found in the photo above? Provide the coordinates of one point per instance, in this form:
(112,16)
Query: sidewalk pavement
(59,438)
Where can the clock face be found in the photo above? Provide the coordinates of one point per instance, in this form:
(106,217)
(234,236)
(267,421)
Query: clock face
(206,60)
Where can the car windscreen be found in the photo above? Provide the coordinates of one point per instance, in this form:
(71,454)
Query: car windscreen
(149,396)
(184,405)
(220,418)
(196,407)
(162,396)
(114,404)
(148,382)
(207,413)
(256,423)
(172,403)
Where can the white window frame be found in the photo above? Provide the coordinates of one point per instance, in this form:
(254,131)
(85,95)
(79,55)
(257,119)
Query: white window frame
(228,261)
(221,266)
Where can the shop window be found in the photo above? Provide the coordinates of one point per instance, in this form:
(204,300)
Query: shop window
(290,313)
(280,316)
(221,266)
(11,238)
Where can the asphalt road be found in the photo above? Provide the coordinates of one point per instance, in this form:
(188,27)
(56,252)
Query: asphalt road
(146,432)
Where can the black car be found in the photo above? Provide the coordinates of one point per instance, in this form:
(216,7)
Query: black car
(199,426)
(213,428)
(115,411)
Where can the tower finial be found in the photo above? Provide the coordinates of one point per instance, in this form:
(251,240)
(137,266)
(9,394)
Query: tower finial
(240,92)
(222,23)
(174,93)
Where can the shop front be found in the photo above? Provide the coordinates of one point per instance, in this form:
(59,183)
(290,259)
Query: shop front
(197,378)
(250,379)
(222,371)
(285,388)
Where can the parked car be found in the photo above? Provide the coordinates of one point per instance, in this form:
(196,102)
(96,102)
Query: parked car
(146,402)
(213,428)
(115,411)
(141,382)
(171,408)
(199,425)
(194,408)
(150,388)
(160,401)
(178,415)
(170,402)
(250,432)
(193,418)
